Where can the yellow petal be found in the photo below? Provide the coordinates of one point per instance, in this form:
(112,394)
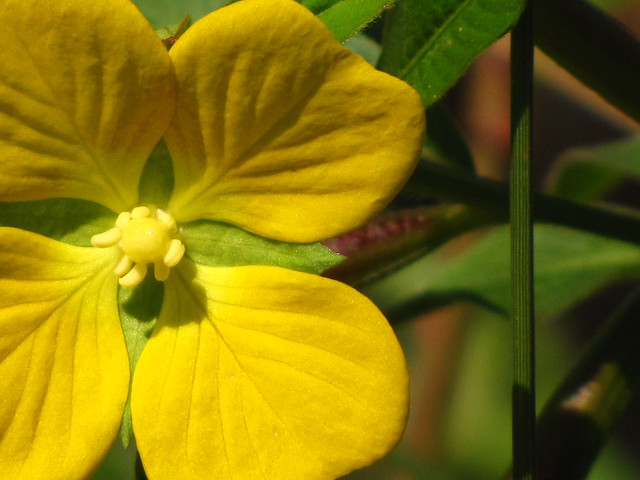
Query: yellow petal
(266,373)
(63,363)
(281,130)
(86,91)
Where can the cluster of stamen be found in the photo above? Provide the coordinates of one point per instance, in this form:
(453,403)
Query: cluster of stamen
(146,236)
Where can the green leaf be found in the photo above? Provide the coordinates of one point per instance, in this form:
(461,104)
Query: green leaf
(222,245)
(430,44)
(587,173)
(68,220)
(569,265)
(139,309)
(347,17)
(317,6)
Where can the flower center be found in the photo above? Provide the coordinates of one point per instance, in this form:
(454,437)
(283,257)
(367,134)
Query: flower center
(145,239)
(146,236)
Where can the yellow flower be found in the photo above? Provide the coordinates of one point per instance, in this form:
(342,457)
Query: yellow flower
(252,371)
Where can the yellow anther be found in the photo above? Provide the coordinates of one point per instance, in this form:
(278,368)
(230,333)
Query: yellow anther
(107,239)
(165,218)
(145,236)
(140,212)
(161,271)
(123,266)
(123,219)
(174,253)
(135,275)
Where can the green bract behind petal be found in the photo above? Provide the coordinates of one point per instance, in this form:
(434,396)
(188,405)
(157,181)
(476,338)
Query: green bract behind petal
(63,364)
(222,245)
(281,130)
(263,372)
(86,91)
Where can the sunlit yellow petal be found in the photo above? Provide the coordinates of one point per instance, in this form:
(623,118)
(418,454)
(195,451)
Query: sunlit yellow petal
(281,130)
(86,91)
(265,373)
(63,364)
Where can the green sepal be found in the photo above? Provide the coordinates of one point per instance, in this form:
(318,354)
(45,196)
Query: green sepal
(164,13)
(68,220)
(156,182)
(221,245)
(364,46)
(139,309)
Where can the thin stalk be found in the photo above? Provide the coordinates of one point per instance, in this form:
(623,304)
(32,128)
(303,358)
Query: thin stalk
(449,184)
(523,387)
(593,47)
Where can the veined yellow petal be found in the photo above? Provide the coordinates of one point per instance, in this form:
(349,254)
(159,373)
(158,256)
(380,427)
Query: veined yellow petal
(86,92)
(281,130)
(265,373)
(64,371)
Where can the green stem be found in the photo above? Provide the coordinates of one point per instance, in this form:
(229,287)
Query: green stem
(448,184)
(593,47)
(522,311)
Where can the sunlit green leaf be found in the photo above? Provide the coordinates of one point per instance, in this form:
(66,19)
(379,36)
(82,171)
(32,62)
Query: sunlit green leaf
(586,173)
(317,6)
(431,44)
(569,265)
(222,245)
(347,17)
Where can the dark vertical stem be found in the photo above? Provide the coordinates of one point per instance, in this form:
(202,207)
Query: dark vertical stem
(523,394)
